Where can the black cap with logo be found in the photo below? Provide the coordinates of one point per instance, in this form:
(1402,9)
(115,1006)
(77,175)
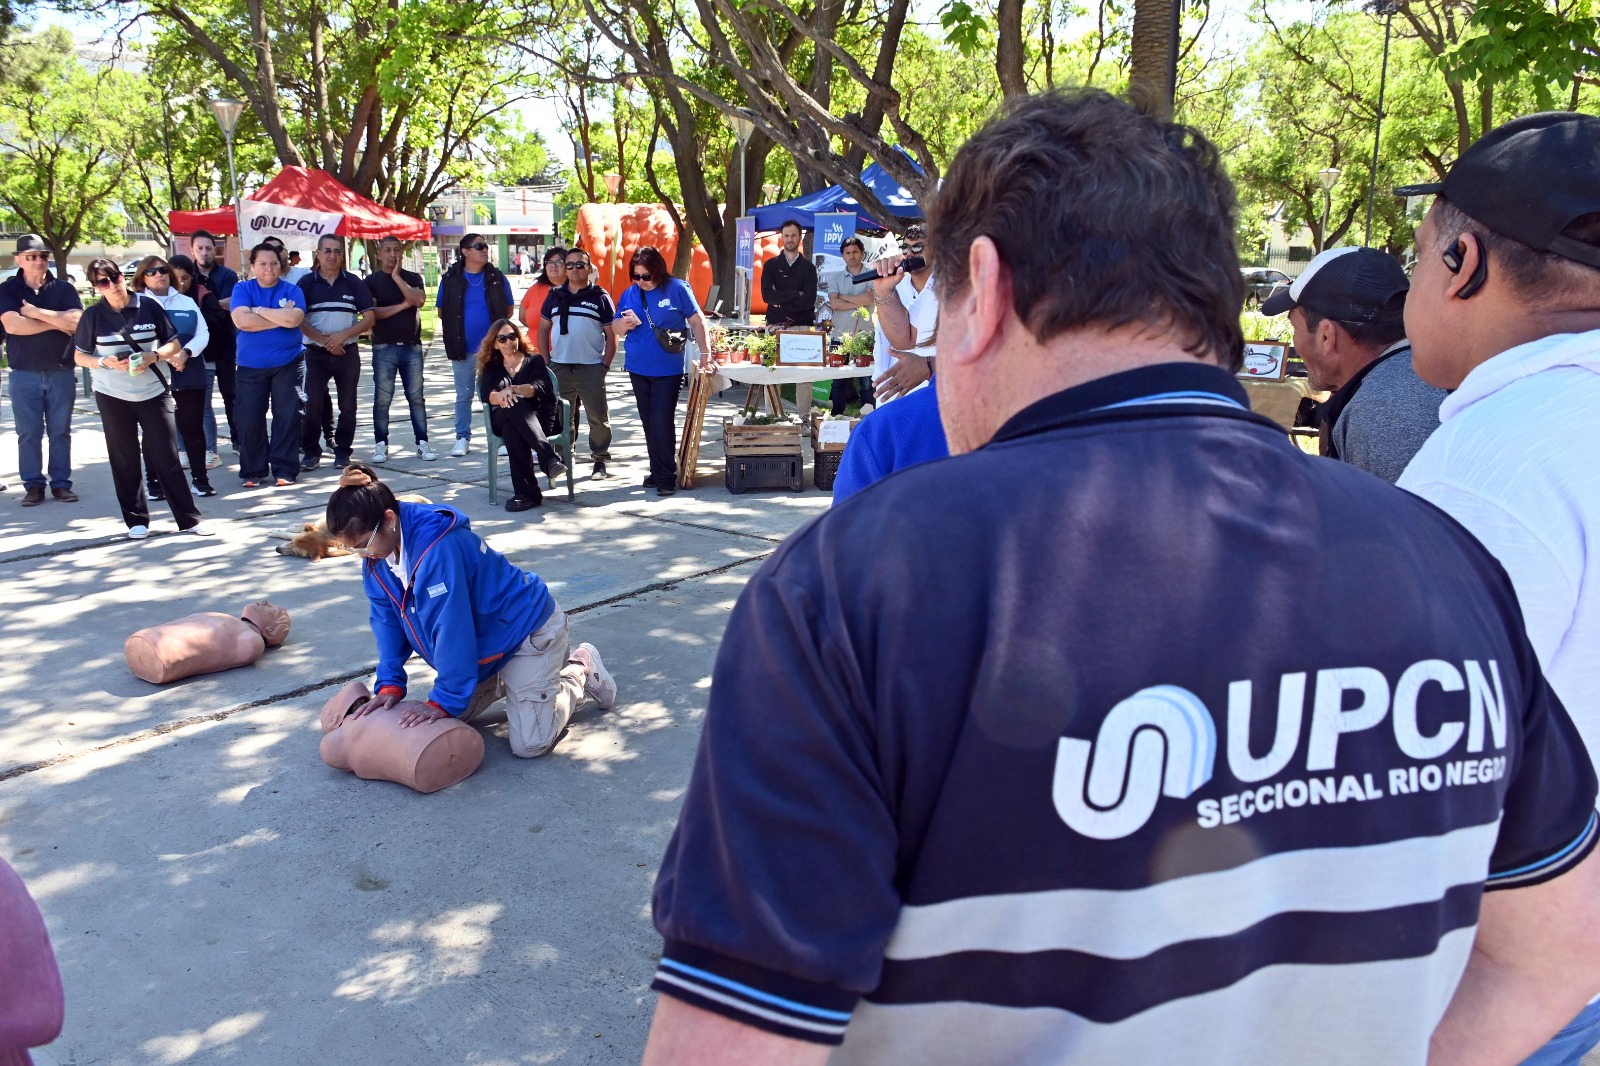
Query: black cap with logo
(1344,284)
(1529,180)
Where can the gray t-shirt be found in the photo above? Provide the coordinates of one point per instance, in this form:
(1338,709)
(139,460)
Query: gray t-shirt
(578,322)
(1388,418)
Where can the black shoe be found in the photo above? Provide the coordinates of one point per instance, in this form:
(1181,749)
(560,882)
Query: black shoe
(522,503)
(155,492)
(600,472)
(204,490)
(34,496)
(342,461)
(310,462)
(65,495)
(649,481)
(665,490)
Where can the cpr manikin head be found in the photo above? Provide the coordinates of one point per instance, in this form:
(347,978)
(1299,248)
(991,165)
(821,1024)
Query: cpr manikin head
(270,620)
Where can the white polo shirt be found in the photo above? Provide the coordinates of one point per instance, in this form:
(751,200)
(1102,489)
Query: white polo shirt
(923,307)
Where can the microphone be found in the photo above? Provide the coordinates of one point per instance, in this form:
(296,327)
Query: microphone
(909,266)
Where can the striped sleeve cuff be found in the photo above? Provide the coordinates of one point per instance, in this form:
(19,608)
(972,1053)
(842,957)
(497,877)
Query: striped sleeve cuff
(774,1002)
(1551,866)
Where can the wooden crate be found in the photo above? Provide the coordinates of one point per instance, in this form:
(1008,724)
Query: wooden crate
(816,430)
(780,438)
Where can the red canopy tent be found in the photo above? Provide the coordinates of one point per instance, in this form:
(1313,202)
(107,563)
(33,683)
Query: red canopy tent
(314,190)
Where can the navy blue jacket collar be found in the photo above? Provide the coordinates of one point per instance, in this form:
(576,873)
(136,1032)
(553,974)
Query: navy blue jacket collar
(1164,389)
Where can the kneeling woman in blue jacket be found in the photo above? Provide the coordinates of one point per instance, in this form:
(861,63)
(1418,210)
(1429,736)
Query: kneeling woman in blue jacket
(488,629)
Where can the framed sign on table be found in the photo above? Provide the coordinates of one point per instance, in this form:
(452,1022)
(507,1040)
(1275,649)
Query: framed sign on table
(1265,361)
(802,347)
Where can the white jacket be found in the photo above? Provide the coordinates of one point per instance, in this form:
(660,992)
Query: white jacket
(1514,461)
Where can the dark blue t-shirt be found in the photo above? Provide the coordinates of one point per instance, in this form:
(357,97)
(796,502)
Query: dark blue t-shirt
(268,348)
(52,349)
(892,437)
(664,307)
(474,310)
(1135,719)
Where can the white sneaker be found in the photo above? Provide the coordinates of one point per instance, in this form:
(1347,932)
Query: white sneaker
(502,451)
(201,529)
(598,683)
(460,449)
(380,454)
(138,532)
(213,460)
(425,450)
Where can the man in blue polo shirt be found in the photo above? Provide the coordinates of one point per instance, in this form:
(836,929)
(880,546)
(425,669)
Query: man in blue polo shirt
(39,313)
(1165,741)
(268,311)
(338,310)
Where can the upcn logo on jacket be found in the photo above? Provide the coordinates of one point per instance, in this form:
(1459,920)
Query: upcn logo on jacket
(1163,741)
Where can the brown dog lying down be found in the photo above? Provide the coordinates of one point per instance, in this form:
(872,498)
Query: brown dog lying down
(376,746)
(205,644)
(313,541)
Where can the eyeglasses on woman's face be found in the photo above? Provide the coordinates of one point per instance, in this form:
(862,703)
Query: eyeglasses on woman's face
(157,271)
(506,338)
(365,548)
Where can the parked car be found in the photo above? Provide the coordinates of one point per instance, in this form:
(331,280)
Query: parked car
(1262,282)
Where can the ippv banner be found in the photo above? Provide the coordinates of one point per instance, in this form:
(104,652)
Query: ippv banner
(745,235)
(298,228)
(832,229)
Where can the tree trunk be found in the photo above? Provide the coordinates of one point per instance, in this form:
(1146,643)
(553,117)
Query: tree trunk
(1151,74)
(1009,53)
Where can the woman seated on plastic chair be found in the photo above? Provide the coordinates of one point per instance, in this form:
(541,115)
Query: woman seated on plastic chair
(523,409)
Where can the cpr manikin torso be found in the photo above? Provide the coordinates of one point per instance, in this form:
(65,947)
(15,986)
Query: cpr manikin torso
(205,643)
(427,757)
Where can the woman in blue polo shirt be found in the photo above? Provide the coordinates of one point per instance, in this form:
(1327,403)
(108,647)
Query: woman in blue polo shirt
(267,312)
(661,304)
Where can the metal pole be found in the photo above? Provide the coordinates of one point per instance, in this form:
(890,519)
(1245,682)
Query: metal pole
(1327,209)
(1377,133)
(238,218)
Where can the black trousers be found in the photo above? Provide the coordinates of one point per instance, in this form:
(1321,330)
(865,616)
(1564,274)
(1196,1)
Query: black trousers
(322,366)
(525,443)
(283,387)
(124,422)
(846,391)
(191,420)
(227,375)
(657,400)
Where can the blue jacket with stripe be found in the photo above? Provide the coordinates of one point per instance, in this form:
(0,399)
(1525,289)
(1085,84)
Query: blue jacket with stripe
(464,610)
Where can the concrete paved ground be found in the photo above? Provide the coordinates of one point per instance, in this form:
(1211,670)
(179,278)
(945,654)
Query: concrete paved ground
(216,894)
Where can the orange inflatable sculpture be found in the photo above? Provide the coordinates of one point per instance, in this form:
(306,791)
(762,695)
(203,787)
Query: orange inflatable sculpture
(610,233)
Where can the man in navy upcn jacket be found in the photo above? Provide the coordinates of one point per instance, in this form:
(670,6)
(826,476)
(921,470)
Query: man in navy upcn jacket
(1151,738)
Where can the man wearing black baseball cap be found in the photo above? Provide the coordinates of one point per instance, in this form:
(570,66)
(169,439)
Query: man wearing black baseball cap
(38,314)
(1347,310)
(1504,309)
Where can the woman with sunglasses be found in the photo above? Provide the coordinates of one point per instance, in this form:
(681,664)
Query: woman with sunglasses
(664,306)
(515,382)
(154,279)
(490,631)
(553,276)
(122,339)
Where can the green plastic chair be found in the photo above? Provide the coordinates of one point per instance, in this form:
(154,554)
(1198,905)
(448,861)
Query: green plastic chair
(562,442)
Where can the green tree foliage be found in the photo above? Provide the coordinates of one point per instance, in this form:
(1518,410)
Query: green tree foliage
(66,141)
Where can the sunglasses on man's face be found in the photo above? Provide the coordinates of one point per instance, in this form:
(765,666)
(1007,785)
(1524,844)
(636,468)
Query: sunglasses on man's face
(577,264)
(506,338)
(479,247)
(38,257)
(157,271)
(644,277)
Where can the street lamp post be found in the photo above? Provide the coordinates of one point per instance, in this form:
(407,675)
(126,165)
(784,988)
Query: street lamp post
(228,111)
(1387,9)
(1329,177)
(769,190)
(743,127)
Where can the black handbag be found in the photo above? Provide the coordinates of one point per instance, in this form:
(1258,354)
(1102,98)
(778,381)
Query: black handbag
(672,341)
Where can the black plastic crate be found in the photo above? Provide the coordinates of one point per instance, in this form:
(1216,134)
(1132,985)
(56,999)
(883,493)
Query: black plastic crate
(746,472)
(824,468)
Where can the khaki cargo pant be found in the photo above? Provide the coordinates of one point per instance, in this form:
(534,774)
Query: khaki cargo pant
(540,687)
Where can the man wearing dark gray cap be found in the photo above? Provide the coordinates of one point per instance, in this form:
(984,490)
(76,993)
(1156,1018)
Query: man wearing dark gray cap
(1347,309)
(1504,310)
(39,313)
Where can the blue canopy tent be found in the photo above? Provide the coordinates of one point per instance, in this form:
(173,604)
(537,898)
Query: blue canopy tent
(804,209)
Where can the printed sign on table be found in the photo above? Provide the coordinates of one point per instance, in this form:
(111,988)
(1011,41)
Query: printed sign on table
(297,227)
(1265,361)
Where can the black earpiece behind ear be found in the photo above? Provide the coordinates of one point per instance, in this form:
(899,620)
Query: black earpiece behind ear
(1455,257)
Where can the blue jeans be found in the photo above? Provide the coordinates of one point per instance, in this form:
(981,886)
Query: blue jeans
(41,401)
(466,375)
(1568,1047)
(284,387)
(386,360)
